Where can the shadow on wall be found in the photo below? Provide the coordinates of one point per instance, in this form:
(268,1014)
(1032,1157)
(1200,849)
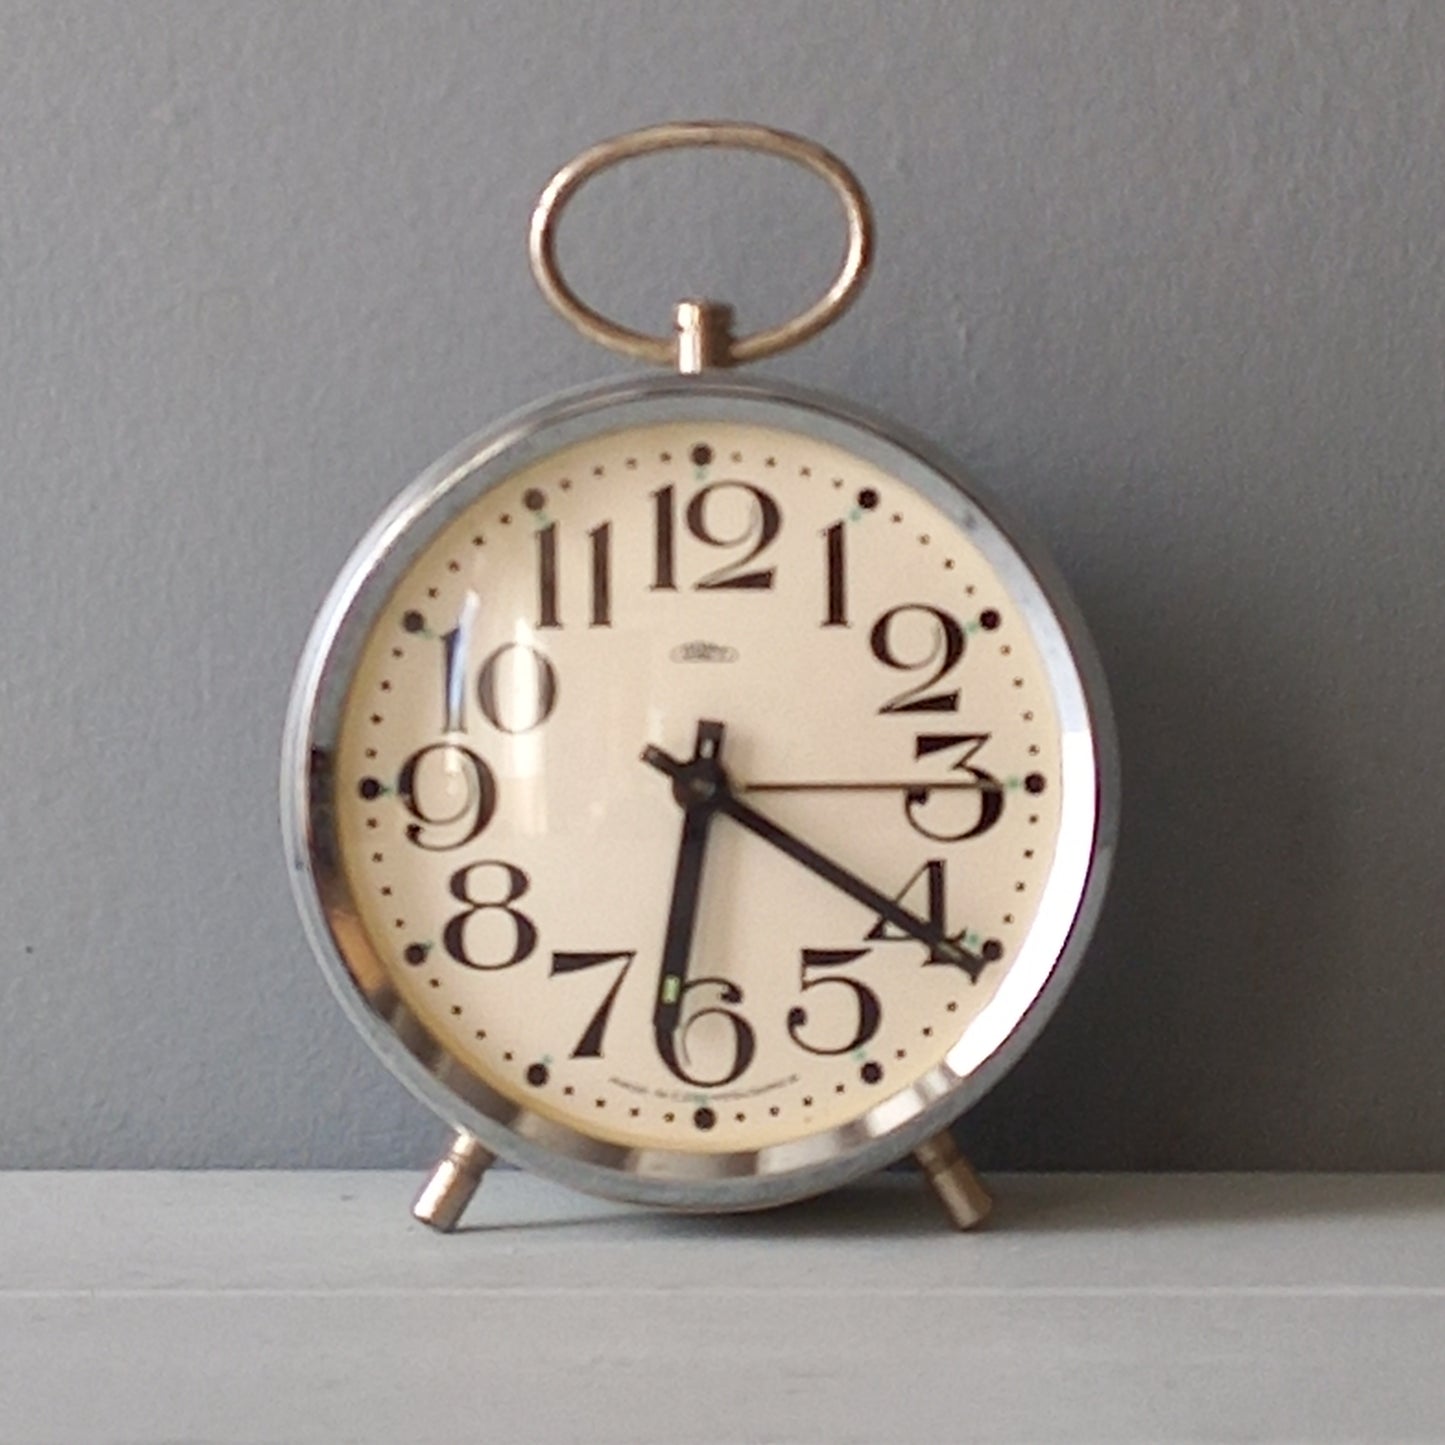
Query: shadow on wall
(1191,1036)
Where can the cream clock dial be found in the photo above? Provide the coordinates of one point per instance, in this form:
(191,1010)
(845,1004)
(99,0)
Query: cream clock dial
(877,696)
(693,789)
(700,777)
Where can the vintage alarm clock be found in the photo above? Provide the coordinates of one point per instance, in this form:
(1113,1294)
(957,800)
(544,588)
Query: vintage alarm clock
(693,789)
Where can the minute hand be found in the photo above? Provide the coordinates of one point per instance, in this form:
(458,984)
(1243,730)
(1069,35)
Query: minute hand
(943,946)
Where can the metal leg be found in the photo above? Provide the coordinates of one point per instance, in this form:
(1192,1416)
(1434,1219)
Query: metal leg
(953,1181)
(450,1186)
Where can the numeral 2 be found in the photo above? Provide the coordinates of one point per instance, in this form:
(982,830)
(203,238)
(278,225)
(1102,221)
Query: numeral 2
(945,649)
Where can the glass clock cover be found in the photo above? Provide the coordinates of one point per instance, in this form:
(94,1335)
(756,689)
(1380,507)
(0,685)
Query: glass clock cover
(696,793)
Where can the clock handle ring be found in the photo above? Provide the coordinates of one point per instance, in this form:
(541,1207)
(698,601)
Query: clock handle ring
(721,349)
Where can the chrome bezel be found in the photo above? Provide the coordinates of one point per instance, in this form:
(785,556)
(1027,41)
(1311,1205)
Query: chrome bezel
(681,1179)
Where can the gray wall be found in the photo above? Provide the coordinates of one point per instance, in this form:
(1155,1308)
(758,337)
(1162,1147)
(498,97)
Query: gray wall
(1168,277)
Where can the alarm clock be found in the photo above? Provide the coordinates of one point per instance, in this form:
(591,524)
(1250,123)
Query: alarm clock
(695,790)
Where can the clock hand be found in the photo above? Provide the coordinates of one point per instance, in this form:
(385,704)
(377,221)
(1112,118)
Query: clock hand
(942,946)
(694,785)
(890,787)
(724,800)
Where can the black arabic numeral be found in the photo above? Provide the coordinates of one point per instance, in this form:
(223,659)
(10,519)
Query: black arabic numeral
(983,787)
(945,648)
(870,1010)
(837,577)
(760,529)
(533,681)
(460,929)
(664,538)
(548,587)
(601,536)
(450,792)
(933,878)
(454,681)
(672,1044)
(589,1046)
(764,522)
(547,576)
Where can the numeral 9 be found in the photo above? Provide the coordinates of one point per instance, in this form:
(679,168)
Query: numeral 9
(450,792)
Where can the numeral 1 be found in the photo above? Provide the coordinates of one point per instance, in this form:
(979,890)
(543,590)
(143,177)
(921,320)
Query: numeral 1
(454,680)
(547,576)
(664,578)
(837,565)
(601,574)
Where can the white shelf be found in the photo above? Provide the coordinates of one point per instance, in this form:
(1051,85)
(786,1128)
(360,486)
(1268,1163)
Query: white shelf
(308,1307)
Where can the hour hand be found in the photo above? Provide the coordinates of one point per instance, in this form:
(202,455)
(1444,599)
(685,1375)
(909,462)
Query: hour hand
(695,786)
(699,779)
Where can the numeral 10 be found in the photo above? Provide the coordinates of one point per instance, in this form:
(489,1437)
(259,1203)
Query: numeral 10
(516,686)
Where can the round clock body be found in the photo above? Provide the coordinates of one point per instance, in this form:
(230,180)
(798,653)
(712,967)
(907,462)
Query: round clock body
(513,686)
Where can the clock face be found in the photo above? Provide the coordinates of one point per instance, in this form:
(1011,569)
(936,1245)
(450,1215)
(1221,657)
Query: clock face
(703,787)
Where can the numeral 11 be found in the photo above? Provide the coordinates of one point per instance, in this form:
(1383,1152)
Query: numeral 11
(548,614)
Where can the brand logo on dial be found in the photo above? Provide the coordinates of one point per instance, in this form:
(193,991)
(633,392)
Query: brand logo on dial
(701,651)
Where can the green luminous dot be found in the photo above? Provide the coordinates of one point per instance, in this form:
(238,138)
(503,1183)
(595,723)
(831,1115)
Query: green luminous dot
(671,990)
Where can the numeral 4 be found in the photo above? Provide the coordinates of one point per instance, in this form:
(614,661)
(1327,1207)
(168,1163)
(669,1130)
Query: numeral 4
(926,895)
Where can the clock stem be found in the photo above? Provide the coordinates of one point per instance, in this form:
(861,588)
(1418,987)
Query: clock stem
(956,1187)
(704,336)
(451,1184)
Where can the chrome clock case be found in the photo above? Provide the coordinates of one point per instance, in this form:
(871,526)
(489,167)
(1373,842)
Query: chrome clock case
(687,1180)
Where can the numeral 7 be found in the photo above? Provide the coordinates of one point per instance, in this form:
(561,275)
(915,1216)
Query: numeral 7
(589,1046)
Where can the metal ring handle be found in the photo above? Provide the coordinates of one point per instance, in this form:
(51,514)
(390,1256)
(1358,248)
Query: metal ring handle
(731,135)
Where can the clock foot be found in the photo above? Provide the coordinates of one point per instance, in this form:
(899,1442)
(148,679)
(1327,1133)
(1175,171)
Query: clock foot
(953,1181)
(450,1186)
